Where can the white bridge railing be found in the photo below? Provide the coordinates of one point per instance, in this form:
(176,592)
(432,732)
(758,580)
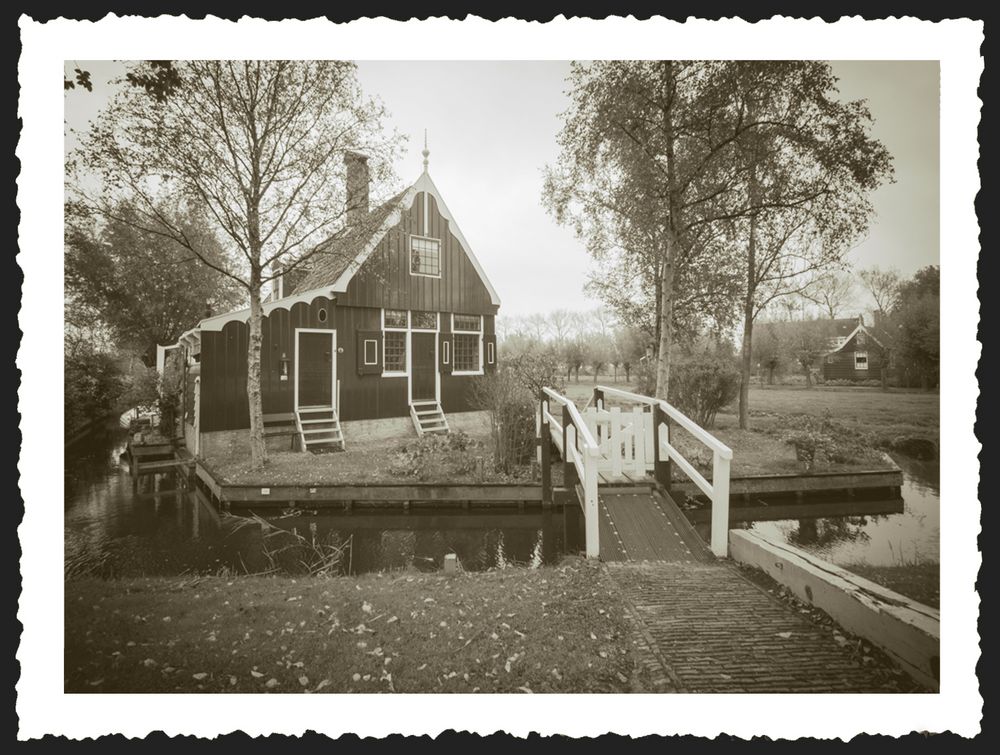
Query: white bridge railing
(636,441)
(580,450)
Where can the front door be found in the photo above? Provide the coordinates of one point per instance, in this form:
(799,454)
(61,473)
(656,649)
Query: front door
(423,380)
(315,362)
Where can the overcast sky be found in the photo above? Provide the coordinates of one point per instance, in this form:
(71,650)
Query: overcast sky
(492,126)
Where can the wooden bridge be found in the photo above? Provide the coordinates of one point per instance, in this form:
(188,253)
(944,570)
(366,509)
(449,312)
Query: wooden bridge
(618,457)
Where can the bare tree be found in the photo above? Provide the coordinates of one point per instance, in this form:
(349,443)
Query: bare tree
(832,292)
(883,285)
(258,147)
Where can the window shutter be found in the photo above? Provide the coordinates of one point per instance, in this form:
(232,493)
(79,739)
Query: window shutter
(445,352)
(368,352)
(490,353)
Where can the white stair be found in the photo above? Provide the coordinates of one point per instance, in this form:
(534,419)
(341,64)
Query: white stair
(428,417)
(319,427)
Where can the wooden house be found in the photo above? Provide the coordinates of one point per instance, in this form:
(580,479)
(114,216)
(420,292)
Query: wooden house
(391,322)
(857,352)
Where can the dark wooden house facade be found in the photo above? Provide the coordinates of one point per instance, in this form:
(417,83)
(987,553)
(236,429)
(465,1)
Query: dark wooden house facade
(857,352)
(394,321)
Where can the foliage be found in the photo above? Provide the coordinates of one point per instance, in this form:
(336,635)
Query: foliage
(141,387)
(644,377)
(702,385)
(820,441)
(916,327)
(142,285)
(644,151)
(435,455)
(93,384)
(512,405)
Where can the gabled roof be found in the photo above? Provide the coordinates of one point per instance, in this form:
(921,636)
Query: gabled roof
(336,254)
(339,258)
(335,267)
(858,327)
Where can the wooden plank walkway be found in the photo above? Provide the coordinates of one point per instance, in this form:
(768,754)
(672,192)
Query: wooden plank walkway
(640,524)
(712,630)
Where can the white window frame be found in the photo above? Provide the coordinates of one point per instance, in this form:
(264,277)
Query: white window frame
(491,353)
(373,342)
(860,354)
(396,373)
(446,354)
(470,333)
(410,255)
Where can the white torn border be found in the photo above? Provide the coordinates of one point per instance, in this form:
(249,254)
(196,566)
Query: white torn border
(44,709)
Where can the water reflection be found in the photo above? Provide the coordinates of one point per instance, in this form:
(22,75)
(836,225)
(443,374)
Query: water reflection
(114,530)
(909,536)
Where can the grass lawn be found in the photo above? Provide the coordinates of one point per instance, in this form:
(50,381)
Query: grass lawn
(865,420)
(921,582)
(556,629)
(371,461)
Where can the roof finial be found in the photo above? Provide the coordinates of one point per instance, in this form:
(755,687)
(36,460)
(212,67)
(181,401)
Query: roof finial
(426,153)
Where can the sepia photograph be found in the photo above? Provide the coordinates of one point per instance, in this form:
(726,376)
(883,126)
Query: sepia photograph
(487,376)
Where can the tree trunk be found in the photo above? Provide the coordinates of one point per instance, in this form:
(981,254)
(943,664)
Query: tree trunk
(666,324)
(746,358)
(258,449)
(808,372)
(628,372)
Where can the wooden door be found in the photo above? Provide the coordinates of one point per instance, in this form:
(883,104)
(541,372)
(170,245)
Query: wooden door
(423,377)
(315,369)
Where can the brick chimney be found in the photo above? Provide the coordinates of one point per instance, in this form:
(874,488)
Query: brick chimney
(357,187)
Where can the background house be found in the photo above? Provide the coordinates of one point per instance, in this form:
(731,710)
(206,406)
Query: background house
(857,352)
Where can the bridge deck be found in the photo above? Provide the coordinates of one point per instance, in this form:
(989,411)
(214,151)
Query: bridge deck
(641,524)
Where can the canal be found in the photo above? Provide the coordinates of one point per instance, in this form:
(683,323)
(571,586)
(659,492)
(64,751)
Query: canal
(112,530)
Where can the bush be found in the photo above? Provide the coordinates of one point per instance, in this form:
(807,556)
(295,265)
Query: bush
(511,396)
(512,405)
(644,376)
(700,386)
(439,456)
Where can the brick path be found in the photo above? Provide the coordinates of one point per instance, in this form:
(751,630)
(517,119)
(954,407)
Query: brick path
(711,630)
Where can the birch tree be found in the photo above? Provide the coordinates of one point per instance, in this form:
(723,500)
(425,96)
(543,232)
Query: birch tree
(644,157)
(807,166)
(257,147)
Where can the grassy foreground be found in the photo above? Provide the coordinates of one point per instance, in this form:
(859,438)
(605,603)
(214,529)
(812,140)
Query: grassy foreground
(558,629)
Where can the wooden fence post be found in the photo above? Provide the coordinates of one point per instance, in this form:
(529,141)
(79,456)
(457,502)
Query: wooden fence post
(590,504)
(661,464)
(598,399)
(570,477)
(545,448)
(720,505)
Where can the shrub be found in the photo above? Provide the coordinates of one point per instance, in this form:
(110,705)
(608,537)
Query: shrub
(439,456)
(644,375)
(512,405)
(702,385)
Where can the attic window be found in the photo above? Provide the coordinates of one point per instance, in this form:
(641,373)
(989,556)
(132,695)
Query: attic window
(860,339)
(425,256)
